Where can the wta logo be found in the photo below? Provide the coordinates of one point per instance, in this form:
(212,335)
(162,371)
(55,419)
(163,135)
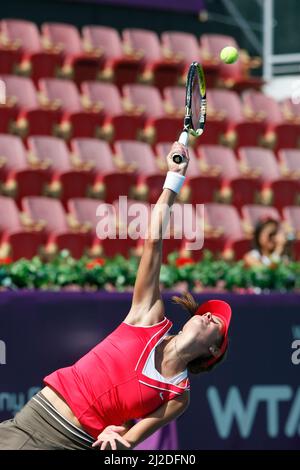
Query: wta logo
(2,353)
(267,400)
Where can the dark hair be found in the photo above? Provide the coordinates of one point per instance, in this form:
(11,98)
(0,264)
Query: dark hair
(199,364)
(260,226)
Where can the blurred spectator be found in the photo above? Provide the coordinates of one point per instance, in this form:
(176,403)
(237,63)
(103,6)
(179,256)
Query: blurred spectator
(270,244)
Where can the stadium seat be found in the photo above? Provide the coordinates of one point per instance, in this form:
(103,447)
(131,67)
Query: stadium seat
(110,181)
(159,126)
(285,191)
(279,132)
(243,186)
(291,109)
(77,120)
(291,215)
(202,187)
(23,112)
(186,48)
(117,123)
(10,58)
(290,163)
(33,60)
(158,69)
(66,180)
(132,219)
(112,219)
(254,213)
(79,64)
(231,75)
(16,239)
(224,232)
(18,177)
(117,65)
(139,158)
(60,235)
(226,106)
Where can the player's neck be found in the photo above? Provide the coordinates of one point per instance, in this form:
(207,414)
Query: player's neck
(168,359)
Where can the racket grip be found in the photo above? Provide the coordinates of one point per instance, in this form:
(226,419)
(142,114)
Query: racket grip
(183,139)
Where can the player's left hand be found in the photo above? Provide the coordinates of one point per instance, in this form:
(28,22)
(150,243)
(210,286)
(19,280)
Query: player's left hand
(110,438)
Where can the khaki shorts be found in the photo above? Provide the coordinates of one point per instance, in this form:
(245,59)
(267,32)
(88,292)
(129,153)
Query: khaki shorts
(38,426)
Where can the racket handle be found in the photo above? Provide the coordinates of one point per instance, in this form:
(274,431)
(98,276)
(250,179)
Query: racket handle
(183,139)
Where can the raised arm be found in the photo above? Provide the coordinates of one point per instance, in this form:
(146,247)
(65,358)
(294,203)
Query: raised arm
(147,306)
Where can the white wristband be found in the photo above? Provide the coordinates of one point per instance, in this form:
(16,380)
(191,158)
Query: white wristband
(174,181)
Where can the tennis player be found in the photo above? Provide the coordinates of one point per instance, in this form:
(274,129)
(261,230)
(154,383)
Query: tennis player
(138,372)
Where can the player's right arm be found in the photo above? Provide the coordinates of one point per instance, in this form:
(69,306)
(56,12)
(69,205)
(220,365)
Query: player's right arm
(148,425)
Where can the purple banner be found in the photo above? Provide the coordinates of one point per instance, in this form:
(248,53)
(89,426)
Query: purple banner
(252,401)
(194,6)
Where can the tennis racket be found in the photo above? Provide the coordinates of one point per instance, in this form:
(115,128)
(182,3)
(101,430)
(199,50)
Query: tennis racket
(195,106)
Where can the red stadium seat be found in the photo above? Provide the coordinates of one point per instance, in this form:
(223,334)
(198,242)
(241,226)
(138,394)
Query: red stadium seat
(159,126)
(68,181)
(254,213)
(18,240)
(129,212)
(291,215)
(290,161)
(85,211)
(279,132)
(140,159)
(115,182)
(244,187)
(291,110)
(225,106)
(18,177)
(23,107)
(285,191)
(34,59)
(118,124)
(99,215)
(79,63)
(160,70)
(225,231)
(233,75)
(77,120)
(185,47)
(59,233)
(117,66)
(203,187)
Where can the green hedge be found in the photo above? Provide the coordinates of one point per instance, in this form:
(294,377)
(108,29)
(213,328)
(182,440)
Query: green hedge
(119,274)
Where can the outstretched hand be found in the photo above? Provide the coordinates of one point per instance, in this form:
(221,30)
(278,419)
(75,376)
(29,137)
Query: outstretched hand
(110,438)
(180,149)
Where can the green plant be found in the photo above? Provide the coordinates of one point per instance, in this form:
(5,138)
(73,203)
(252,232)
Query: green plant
(119,273)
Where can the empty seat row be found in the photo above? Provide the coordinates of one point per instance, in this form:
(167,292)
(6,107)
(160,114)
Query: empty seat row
(140,112)
(90,167)
(100,51)
(93,227)
(100,110)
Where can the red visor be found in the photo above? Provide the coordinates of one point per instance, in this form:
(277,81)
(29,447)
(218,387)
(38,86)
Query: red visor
(219,309)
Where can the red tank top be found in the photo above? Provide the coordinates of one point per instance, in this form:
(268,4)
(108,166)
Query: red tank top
(107,385)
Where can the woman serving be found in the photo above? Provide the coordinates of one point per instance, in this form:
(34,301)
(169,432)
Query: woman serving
(138,372)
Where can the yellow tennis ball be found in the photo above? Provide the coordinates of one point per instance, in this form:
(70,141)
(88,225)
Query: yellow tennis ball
(229,55)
